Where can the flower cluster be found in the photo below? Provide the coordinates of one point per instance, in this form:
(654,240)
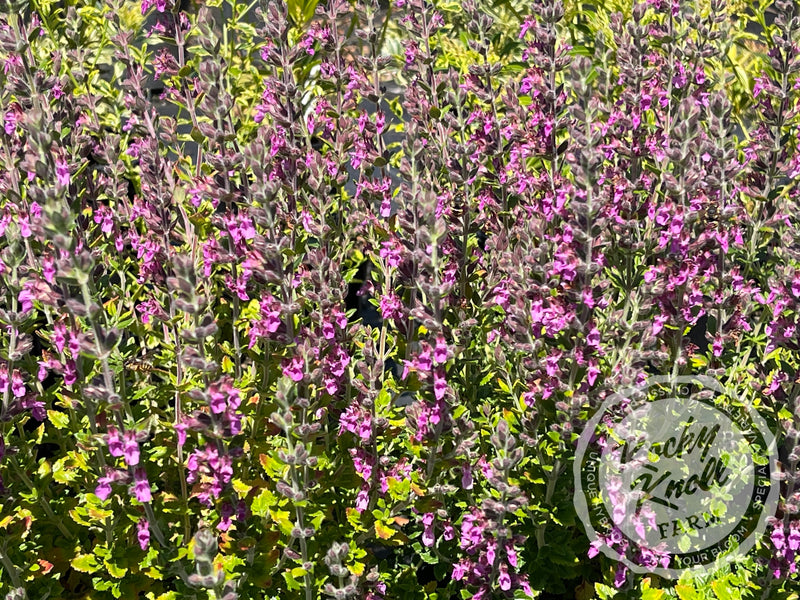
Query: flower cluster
(354,279)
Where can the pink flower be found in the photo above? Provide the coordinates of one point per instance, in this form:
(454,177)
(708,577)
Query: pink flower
(131,449)
(440,351)
(439,384)
(460,569)
(103,489)
(391,251)
(115,445)
(512,555)
(466,477)
(17,385)
(362,500)
(621,576)
(427,535)
(658,323)
(70,372)
(391,306)
(49,269)
(105,218)
(504,580)
(794,537)
(293,369)
(62,172)
(717,346)
(778,537)
(181,428)
(143,533)
(592,372)
(141,486)
(10,122)
(218,402)
(356,420)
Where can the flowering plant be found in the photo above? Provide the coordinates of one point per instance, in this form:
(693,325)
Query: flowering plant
(285,315)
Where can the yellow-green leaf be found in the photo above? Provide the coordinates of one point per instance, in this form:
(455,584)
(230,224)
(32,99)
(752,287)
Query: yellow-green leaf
(85,563)
(58,419)
(114,570)
(241,487)
(383,531)
(686,592)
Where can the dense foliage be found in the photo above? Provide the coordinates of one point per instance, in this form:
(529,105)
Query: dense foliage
(542,201)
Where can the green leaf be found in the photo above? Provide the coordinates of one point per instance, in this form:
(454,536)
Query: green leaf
(58,419)
(686,592)
(723,590)
(298,572)
(115,570)
(503,386)
(262,503)
(197,136)
(85,563)
(383,531)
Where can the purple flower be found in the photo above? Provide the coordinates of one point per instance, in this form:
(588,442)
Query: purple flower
(362,500)
(103,489)
(105,218)
(621,575)
(59,336)
(391,250)
(717,346)
(778,536)
(141,486)
(504,579)
(62,172)
(131,448)
(181,428)
(440,351)
(439,384)
(226,512)
(293,369)
(466,476)
(511,554)
(48,269)
(10,122)
(161,5)
(17,384)
(391,306)
(115,445)
(794,537)
(460,569)
(218,402)
(427,535)
(356,420)
(143,533)
(30,402)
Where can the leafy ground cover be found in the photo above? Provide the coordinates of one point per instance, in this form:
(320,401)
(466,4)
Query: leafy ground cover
(541,202)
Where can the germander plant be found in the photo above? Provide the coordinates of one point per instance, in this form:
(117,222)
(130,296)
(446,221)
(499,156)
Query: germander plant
(197,401)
